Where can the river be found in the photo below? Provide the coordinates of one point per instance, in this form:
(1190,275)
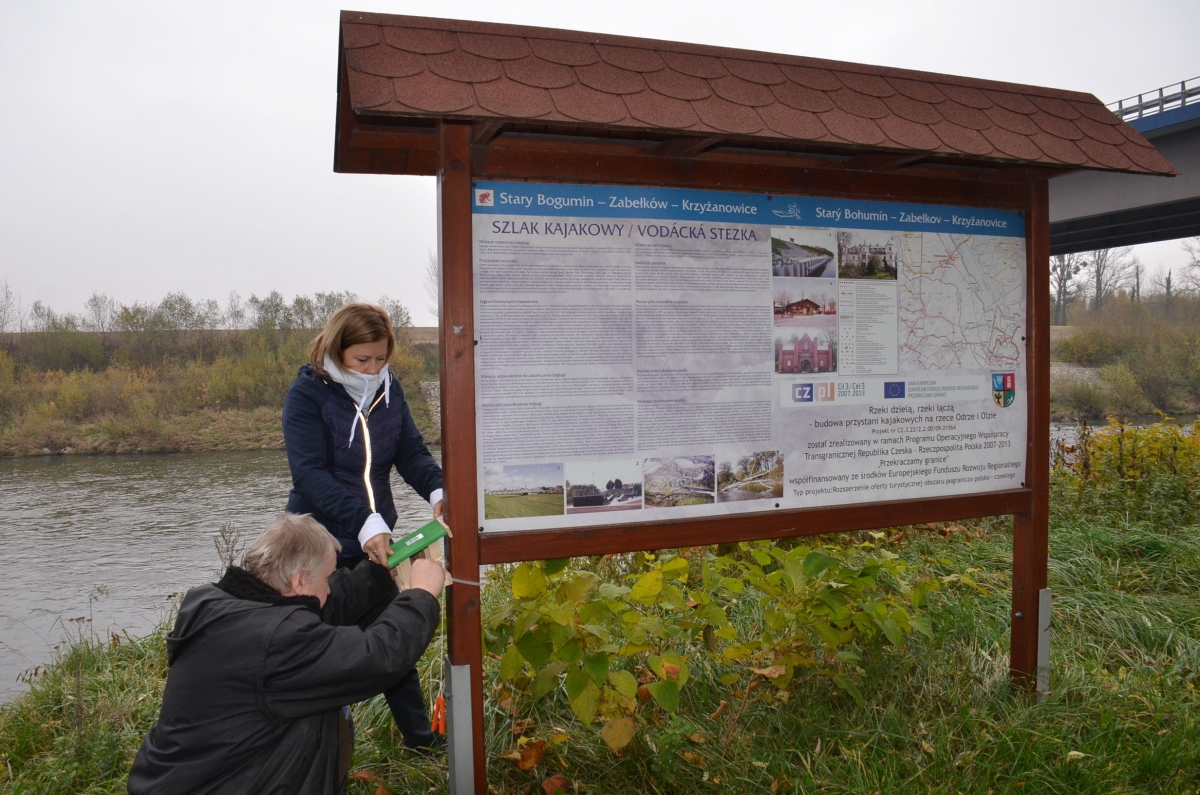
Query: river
(111,538)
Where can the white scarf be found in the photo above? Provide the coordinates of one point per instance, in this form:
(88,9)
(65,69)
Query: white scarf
(360,386)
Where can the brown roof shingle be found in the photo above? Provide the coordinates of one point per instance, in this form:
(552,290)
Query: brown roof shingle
(417,66)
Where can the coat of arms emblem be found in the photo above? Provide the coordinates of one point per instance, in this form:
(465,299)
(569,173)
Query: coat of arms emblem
(1004,389)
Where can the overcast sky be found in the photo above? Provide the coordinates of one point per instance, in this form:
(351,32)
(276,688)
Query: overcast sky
(147,147)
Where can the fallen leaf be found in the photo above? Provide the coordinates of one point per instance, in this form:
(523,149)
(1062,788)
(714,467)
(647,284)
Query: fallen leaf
(774,672)
(382,790)
(780,781)
(720,708)
(559,738)
(1075,756)
(618,733)
(697,738)
(693,758)
(531,754)
(643,694)
(556,783)
(369,776)
(519,726)
(927,748)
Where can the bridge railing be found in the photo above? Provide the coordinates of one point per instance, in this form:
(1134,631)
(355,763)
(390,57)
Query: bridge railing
(1170,97)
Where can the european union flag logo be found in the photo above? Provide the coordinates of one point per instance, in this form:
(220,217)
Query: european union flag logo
(893,389)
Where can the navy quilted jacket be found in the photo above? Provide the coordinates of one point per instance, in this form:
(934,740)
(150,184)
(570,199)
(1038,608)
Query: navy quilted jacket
(327,470)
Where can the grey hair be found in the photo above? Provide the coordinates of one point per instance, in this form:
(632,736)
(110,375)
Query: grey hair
(293,543)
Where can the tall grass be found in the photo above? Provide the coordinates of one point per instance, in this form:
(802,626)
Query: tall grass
(1123,714)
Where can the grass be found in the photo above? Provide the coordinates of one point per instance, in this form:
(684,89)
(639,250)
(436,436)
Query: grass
(1123,715)
(515,506)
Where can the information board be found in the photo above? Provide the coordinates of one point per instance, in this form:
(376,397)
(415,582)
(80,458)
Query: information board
(649,354)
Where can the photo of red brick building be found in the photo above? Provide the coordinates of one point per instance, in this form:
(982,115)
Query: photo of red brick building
(804,355)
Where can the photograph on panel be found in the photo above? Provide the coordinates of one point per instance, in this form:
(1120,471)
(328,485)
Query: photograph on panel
(753,476)
(804,302)
(675,481)
(806,349)
(514,491)
(803,252)
(864,254)
(597,486)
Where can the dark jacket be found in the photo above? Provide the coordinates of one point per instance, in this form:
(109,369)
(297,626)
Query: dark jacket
(327,470)
(257,681)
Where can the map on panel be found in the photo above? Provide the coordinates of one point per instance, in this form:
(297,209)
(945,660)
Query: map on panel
(961,301)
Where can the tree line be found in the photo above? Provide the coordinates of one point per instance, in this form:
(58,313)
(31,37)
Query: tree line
(178,328)
(1088,281)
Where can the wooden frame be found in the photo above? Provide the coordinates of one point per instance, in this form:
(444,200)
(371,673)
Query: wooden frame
(464,154)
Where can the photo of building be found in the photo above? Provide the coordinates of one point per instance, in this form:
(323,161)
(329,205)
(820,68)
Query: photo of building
(868,255)
(805,302)
(808,350)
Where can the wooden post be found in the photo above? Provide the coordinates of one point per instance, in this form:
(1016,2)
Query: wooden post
(1031,530)
(456,315)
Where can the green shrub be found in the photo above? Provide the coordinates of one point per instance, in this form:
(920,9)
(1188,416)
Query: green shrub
(1124,394)
(1086,400)
(1091,348)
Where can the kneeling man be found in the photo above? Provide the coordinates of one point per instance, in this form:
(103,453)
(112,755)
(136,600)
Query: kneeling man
(262,663)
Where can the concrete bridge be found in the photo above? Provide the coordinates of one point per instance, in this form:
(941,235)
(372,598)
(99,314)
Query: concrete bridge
(1092,209)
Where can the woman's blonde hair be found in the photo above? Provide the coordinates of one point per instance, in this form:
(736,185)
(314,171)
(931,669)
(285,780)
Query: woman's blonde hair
(351,325)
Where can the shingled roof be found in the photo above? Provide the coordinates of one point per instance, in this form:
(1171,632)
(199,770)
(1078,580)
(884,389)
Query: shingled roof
(420,67)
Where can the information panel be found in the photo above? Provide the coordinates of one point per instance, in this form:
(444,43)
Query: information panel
(652,353)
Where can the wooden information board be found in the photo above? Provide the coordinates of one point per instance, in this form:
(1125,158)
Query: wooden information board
(695,295)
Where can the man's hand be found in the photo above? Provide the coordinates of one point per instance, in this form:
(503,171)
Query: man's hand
(437,509)
(379,548)
(427,575)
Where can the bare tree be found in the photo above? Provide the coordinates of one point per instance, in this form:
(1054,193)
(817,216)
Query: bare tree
(431,281)
(1192,246)
(235,312)
(782,299)
(10,309)
(1137,274)
(100,313)
(1163,285)
(401,319)
(1063,289)
(1108,272)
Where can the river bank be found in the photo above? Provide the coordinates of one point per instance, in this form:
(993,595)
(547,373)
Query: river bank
(202,430)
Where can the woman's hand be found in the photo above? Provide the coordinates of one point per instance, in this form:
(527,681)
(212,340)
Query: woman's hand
(379,548)
(437,509)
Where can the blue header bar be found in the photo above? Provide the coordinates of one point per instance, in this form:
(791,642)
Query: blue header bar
(673,204)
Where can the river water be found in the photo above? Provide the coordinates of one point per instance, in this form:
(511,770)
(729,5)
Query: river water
(111,538)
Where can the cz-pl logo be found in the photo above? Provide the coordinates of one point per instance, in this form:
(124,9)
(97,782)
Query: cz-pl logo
(807,393)
(485,198)
(1004,389)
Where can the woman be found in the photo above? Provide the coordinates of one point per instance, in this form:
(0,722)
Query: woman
(345,425)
